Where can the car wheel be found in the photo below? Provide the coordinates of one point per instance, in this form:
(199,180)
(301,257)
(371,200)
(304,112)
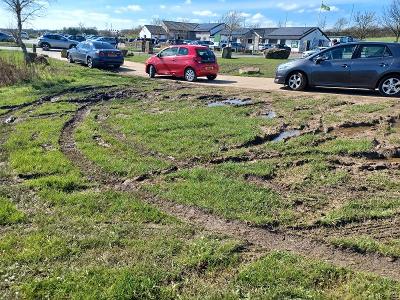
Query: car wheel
(152,72)
(70,59)
(89,62)
(211,77)
(390,86)
(297,81)
(190,75)
(45,47)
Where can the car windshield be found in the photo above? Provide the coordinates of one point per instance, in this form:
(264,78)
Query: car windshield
(100,45)
(108,39)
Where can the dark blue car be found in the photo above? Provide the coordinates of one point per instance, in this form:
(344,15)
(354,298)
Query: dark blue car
(95,54)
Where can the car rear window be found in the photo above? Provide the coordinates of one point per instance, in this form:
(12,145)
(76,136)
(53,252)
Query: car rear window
(206,55)
(371,51)
(99,45)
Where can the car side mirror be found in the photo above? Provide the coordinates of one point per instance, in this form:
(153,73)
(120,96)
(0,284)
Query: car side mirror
(320,59)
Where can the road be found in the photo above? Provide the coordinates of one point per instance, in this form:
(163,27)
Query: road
(241,82)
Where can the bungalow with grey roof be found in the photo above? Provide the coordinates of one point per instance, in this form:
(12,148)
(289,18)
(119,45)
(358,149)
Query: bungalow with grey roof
(152,32)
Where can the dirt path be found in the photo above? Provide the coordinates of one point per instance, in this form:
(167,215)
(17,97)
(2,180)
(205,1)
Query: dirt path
(260,237)
(241,82)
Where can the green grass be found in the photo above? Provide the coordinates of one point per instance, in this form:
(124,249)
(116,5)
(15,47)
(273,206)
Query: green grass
(388,39)
(364,244)
(66,236)
(229,197)
(361,209)
(232,66)
(281,275)
(189,131)
(9,214)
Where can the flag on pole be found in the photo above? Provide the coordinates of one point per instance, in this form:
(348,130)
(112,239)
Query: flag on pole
(325,7)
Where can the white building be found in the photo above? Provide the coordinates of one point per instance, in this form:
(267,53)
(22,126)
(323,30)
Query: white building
(153,32)
(300,39)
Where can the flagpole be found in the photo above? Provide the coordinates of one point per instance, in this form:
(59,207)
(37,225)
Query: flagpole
(319,14)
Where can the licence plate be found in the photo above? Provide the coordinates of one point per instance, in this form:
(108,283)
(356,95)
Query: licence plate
(112,54)
(209,68)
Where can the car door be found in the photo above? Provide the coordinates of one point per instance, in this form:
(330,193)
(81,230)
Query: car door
(332,67)
(81,52)
(181,61)
(55,41)
(370,63)
(164,60)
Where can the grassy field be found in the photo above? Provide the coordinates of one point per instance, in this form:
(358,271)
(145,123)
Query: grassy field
(93,176)
(388,39)
(232,66)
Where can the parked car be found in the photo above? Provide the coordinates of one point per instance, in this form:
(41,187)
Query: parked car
(263,47)
(78,38)
(55,41)
(24,35)
(281,46)
(5,37)
(93,54)
(202,43)
(110,40)
(218,45)
(187,61)
(368,65)
(313,51)
(237,47)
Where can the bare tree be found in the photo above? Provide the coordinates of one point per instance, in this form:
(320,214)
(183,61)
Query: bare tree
(156,21)
(322,23)
(391,18)
(23,11)
(364,23)
(340,25)
(233,21)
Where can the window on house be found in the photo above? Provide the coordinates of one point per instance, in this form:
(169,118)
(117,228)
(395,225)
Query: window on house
(249,41)
(294,44)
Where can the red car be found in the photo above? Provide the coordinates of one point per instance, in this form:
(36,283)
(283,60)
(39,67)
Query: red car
(187,61)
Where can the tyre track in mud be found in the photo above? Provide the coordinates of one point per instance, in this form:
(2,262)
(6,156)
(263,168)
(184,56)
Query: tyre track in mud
(261,237)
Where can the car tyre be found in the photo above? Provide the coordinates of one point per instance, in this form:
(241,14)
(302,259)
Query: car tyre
(89,62)
(297,81)
(45,47)
(211,77)
(152,71)
(190,75)
(389,86)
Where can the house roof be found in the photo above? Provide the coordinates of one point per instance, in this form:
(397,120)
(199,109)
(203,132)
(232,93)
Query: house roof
(239,32)
(180,26)
(206,27)
(155,29)
(262,32)
(291,33)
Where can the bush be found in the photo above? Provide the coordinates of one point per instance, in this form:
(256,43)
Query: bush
(277,53)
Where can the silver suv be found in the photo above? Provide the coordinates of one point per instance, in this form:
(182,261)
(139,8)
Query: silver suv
(55,41)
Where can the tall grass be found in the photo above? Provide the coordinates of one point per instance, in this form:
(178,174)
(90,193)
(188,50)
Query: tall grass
(14,70)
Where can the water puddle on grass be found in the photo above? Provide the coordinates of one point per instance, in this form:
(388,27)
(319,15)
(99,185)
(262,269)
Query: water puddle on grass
(269,115)
(285,135)
(232,102)
(352,131)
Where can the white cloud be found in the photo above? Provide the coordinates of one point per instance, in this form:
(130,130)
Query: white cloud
(163,6)
(288,6)
(204,13)
(260,20)
(188,1)
(129,8)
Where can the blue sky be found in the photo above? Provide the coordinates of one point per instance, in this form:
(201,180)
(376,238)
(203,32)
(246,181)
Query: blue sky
(127,14)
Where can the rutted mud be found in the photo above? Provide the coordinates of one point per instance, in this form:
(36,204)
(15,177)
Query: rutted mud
(264,238)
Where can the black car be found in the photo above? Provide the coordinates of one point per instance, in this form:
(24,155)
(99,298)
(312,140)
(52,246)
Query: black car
(4,37)
(281,46)
(93,54)
(78,38)
(367,65)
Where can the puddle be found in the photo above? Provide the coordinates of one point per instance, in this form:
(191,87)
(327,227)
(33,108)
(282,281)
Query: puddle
(285,135)
(232,102)
(352,131)
(269,115)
